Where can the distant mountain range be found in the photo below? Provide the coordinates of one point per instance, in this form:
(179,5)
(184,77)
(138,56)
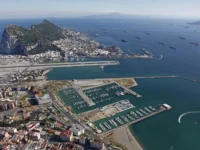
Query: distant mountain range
(114,16)
(195,23)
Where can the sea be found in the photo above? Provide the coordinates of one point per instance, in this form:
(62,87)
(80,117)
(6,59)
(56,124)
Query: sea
(163,131)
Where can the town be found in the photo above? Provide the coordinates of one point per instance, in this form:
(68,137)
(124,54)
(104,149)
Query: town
(32,118)
(70,114)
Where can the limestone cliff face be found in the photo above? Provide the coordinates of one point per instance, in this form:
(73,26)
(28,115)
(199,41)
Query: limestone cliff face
(10,44)
(36,39)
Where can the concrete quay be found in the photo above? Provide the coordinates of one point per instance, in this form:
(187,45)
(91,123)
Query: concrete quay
(129,90)
(83,95)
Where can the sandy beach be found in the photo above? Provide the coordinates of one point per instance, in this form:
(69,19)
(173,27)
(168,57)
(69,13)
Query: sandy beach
(125,137)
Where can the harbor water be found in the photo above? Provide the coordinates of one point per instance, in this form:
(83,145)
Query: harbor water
(162,131)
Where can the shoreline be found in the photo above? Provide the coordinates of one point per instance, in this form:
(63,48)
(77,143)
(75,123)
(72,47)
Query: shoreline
(125,137)
(131,131)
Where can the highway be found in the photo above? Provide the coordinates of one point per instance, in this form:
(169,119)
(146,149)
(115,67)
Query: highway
(68,64)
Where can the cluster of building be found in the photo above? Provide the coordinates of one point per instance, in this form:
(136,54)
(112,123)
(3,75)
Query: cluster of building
(5,102)
(12,56)
(52,55)
(7,105)
(44,99)
(29,75)
(48,54)
(77,43)
(34,97)
(39,126)
(5,92)
(34,137)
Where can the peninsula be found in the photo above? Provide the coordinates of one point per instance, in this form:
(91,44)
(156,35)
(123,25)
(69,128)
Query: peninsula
(47,37)
(195,23)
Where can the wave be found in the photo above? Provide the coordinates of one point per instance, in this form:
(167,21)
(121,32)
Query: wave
(182,115)
(161,56)
(172,147)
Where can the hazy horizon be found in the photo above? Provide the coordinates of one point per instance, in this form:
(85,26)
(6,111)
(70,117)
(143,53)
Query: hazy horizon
(80,8)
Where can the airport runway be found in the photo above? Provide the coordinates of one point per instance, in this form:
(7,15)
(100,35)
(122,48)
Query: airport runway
(68,64)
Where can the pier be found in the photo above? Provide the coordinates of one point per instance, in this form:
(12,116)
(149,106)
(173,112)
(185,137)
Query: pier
(129,90)
(152,77)
(102,67)
(83,95)
(189,79)
(161,109)
(131,53)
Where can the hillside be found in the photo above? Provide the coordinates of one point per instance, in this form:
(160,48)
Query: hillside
(195,23)
(36,39)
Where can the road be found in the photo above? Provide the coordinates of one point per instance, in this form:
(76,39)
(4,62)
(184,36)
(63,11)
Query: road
(57,104)
(69,64)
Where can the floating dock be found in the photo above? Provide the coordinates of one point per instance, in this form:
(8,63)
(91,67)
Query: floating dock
(129,90)
(139,116)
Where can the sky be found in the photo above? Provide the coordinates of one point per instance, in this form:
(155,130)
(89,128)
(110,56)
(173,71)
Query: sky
(77,8)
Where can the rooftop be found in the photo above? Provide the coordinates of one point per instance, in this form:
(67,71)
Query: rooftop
(66,133)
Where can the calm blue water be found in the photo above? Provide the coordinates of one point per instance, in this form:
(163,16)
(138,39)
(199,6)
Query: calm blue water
(161,132)
(183,61)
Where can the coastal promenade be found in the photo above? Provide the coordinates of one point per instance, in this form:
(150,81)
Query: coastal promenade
(68,64)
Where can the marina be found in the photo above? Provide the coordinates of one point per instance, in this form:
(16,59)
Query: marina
(129,117)
(101,97)
(147,81)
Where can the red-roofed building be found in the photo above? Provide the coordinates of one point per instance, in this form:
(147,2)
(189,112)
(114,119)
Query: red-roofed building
(5,147)
(97,145)
(31,126)
(44,144)
(34,136)
(57,124)
(66,136)
(4,134)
